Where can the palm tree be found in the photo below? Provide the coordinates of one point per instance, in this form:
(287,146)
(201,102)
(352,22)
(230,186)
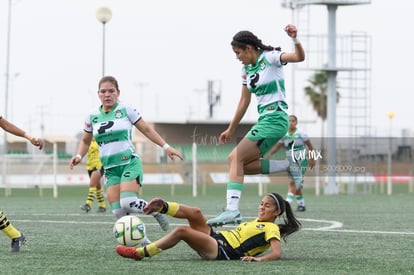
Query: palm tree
(317,93)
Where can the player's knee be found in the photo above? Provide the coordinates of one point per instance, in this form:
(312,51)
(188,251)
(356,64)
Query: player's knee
(232,157)
(196,211)
(181,231)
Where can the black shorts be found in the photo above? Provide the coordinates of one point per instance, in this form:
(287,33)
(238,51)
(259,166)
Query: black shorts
(96,169)
(225,250)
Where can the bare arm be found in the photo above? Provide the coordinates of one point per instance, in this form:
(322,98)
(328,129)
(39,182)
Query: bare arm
(82,149)
(242,106)
(310,148)
(299,54)
(152,135)
(13,129)
(274,254)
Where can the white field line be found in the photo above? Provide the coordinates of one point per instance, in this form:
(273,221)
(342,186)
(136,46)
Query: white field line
(331,224)
(326,225)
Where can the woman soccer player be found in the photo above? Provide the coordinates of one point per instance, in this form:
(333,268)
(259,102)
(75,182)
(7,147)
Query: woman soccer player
(262,75)
(111,125)
(295,141)
(247,242)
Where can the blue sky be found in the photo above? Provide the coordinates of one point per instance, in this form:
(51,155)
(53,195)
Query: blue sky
(163,52)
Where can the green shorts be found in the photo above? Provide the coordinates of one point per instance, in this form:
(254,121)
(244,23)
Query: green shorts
(269,130)
(304,165)
(132,170)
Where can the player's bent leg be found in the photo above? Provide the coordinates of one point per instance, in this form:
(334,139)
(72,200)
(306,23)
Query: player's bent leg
(195,217)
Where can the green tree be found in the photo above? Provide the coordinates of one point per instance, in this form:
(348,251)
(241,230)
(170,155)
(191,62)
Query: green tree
(317,94)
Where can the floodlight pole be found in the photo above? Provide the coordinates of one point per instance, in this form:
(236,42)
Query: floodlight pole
(103,14)
(332,71)
(103,49)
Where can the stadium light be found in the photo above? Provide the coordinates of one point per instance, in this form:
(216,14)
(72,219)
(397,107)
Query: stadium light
(390,115)
(104,15)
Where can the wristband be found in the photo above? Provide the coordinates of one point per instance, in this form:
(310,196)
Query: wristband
(78,156)
(166,146)
(295,40)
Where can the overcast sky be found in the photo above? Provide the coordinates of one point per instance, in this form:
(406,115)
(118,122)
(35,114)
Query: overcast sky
(163,52)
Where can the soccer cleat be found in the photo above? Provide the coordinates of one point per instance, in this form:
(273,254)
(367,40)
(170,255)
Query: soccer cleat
(301,208)
(162,220)
(128,252)
(85,207)
(295,172)
(101,209)
(17,243)
(154,205)
(227,217)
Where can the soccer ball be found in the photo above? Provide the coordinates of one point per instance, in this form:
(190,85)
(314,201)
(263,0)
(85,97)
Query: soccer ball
(129,230)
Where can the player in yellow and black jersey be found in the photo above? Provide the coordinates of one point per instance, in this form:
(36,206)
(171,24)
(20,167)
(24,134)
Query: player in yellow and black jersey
(247,242)
(95,172)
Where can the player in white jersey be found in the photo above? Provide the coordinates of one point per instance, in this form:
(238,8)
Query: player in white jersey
(262,75)
(296,143)
(111,125)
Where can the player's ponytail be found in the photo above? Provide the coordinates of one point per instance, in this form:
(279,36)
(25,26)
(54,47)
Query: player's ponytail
(244,38)
(291,224)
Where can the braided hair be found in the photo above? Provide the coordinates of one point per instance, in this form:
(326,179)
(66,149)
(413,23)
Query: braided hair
(244,38)
(291,224)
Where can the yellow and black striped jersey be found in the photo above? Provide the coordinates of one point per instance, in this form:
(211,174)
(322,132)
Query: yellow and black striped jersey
(252,238)
(93,161)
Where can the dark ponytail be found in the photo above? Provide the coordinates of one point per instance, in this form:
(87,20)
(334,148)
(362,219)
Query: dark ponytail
(244,38)
(291,224)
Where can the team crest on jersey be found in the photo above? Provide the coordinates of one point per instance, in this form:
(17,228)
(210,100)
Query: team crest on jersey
(118,114)
(260,226)
(262,65)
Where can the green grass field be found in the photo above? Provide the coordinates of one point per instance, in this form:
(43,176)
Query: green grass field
(341,234)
